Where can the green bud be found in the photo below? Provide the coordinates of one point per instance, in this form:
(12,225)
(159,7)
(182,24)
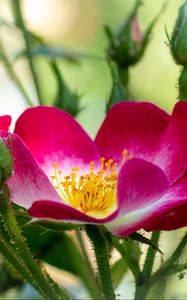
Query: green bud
(6,162)
(128,43)
(178,42)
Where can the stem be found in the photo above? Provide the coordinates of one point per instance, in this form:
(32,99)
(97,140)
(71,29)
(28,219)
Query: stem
(148,265)
(119,91)
(183,84)
(82,246)
(142,286)
(170,264)
(141,292)
(134,268)
(20,23)
(50,289)
(124,75)
(168,268)
(91,283)
(13,75)
(8,252)
(178,251)
(101,254)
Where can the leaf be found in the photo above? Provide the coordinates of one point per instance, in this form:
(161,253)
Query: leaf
(118,270)
(64,99)
(57,53)
(140,238)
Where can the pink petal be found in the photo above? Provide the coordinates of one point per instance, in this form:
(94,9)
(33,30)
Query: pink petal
(172,155)
(30,187)
(5,122)
(28,182)
(137,127)
(172,214)
(60,211)
(53,136)
(167,213)
(141,185)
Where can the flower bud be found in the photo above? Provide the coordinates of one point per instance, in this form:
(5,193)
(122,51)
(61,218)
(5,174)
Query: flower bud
(6,162)
(128,43)
(178,42)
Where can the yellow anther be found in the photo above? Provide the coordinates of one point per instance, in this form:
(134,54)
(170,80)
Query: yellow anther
(124,156)
(124,152)
(93,191)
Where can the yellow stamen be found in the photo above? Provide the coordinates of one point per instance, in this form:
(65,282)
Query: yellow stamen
(92,192)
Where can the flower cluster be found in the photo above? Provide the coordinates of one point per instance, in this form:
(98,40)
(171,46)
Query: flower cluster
(132,176)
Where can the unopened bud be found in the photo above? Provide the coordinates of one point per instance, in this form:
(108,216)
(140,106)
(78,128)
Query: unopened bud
(128,43)
(178,40)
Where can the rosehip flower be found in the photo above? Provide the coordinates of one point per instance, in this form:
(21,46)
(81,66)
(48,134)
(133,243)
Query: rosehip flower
(132,176)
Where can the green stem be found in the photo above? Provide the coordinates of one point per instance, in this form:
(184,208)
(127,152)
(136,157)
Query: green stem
(170,264)
(92,285)
(142,285)
(149,261)
(183,84)
(168,268)
(141,292)
(133,267)
(124,75)
(119,91)
(82,246)
(49,288)
(101,254)
(12,257)
(13,75)
(21,24)
(178,251)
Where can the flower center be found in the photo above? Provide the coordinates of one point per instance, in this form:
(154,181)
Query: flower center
(92,193)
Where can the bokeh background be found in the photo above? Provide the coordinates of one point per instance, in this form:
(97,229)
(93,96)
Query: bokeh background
(78,25)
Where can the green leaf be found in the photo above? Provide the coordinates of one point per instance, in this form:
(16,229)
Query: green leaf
(118,270)
(8,278)
(140,238)
(64,99)
(57,53)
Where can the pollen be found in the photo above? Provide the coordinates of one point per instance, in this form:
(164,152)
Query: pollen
(93,193)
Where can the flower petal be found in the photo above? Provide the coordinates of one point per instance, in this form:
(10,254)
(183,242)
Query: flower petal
(60,211)
(53,136)
(168,213)
(172,214)
(135,126)
(172,155)
(28,182)
(5,122)
(141,184)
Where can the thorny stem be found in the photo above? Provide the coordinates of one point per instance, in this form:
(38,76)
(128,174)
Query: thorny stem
(101,254)
(50,290)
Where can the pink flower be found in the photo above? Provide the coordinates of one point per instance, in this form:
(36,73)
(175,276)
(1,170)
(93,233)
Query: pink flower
(132,176)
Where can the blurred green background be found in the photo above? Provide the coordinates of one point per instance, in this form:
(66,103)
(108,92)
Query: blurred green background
(78,24)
